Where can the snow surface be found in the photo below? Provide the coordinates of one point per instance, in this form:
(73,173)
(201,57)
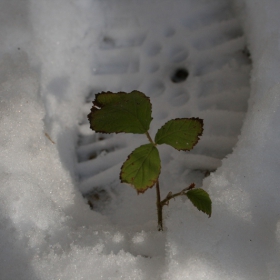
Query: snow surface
(47,229)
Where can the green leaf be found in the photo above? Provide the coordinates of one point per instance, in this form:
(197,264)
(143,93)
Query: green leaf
(181,134)
(201,200)
(142,168)
(121,112)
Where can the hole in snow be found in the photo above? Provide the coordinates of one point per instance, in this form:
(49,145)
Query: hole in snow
(97,198)
(180,75)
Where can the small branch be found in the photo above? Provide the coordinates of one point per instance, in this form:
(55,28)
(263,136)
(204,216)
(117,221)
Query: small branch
(149,137)
(170,195)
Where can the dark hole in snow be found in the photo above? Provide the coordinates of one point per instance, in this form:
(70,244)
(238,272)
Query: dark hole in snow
(180,75)
(246,52)
(97,198)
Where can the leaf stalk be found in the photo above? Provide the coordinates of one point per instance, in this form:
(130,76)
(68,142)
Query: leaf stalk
(150,138)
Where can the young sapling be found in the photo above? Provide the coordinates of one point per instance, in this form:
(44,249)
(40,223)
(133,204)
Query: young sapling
(132,113)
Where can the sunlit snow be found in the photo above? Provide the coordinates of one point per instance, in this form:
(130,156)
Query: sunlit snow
(54,55)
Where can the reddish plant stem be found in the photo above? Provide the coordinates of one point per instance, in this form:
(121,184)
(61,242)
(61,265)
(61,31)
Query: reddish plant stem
(165,201)
(160,203)
(159,208)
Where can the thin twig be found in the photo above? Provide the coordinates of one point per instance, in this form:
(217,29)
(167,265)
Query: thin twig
(48,136)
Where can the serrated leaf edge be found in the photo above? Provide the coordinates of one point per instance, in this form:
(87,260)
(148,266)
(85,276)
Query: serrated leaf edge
(198,138)
(209,215)
(100,105)
(97,106)
(142,191)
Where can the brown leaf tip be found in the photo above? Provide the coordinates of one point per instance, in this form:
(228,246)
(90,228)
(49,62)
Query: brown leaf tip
(201,123)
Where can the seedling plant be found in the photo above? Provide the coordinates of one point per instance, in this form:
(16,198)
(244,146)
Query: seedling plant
(132,113)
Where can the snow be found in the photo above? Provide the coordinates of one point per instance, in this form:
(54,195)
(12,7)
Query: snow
(52,56)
